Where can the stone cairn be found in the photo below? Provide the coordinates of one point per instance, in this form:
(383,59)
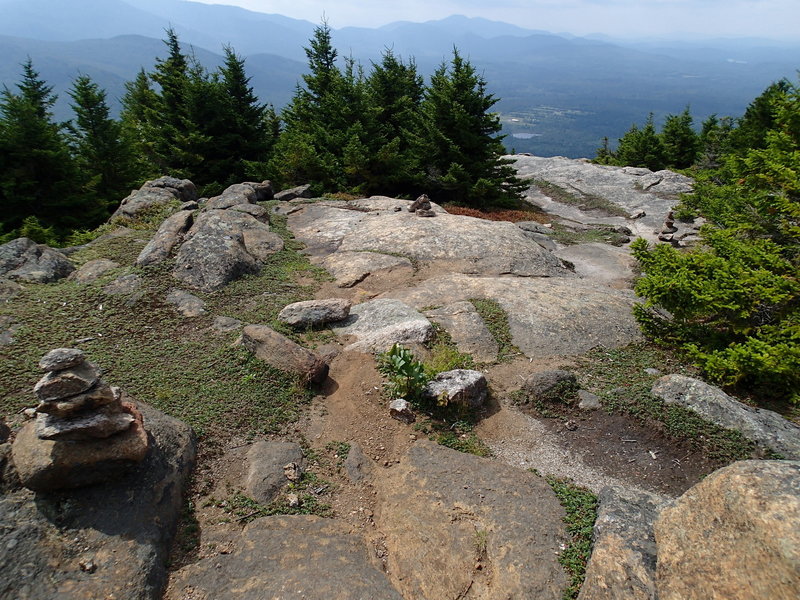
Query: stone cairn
(83,432)
(668,230)
(422,206)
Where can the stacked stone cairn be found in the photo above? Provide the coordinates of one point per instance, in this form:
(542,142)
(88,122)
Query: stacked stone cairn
(422,206)
(83,433)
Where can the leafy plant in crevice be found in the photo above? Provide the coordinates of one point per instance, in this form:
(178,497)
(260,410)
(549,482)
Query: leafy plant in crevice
(406,375)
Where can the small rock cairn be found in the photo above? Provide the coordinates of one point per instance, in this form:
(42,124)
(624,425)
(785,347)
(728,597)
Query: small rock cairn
(422,206)
(83,432)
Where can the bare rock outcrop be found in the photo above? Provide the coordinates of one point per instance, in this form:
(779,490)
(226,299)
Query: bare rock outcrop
(282,353)
(25,260)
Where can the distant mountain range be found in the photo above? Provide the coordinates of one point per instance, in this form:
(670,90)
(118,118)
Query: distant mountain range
(560,94)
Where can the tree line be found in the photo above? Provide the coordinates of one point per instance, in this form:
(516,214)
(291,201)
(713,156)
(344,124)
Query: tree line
(345,130)
(731,302)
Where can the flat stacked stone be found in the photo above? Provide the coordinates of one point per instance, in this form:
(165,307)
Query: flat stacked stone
(83,432)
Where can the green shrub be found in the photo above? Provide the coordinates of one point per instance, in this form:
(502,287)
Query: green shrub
(406,375)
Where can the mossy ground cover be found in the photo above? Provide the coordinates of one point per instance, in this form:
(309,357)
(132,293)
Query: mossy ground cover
(179,365)
(618,377)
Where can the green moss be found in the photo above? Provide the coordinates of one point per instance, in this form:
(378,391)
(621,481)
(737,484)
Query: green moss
(496,320)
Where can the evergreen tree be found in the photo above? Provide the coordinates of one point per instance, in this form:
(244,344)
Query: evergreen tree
(38,175)
(604,154)
(713,141)
(102,154)
(464,153)
(759,118)
(681,143)
(641,147)
(139,105)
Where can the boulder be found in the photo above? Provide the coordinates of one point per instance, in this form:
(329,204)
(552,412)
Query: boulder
(460,386)
(93,270)
(254,210)
(455,523)
(623,561)
(764,427)
(351,268)
(158,192)
(8,329)
(282,353)
(262,243)
(215,252)
(733,535)
(124,529)
(263,190)
(313,313)
(265,468)
(551,386)
(187,304)
(588,401)
(25,260)
(8,289)
(467,329)
(301,191)
(226,324)
(62,358)
(378,324)
(234,195)
(289,557)
(169,235)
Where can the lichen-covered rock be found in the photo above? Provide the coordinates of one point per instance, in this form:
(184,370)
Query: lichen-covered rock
(764,427)
(313,313)
(185,303)
(95,423)
(301,191)
(123,285)
(158,192)
(99,395)
(169,235)
(282,353)
(215,252)
(25,260)
(400,410)
(733,535)
(460,386)
(551,386)
(378,324)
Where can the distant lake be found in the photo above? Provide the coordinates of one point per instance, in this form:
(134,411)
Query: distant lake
(525,136)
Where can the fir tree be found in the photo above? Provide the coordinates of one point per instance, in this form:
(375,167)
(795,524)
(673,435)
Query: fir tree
(38,175)
(641,147)
(464,153)
(100,150)
(681,143)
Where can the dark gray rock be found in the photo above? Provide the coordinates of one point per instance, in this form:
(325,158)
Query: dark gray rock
(93,270)
(551,386)
(443,512)
(125,528)
(291,558)
(282,353)
(183,189)
(8,329)
(8,289)
(623,561)
(25,260)
(302,191)
(358,466)
(99,395)
(185,303)
(67,382)
(233,196)
(460,386)
(158,192)
(169,235)
(215,253)
(588,401)
(62,358)
(5,432)
(263,190)
(265,463)
(313,313)
(764,427)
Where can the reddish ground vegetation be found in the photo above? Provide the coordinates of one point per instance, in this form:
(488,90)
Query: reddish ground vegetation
(498,214)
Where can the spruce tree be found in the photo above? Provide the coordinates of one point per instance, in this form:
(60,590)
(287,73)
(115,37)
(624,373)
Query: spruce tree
(98,145)
(464,161)
(681,143)
(38,175)
(641,147)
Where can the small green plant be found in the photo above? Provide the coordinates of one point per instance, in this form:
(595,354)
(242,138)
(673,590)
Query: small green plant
(340,451)
(445,356)
(481,542)
(406,375)
(580,506)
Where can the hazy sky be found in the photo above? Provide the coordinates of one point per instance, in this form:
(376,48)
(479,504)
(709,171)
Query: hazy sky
(632,18)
